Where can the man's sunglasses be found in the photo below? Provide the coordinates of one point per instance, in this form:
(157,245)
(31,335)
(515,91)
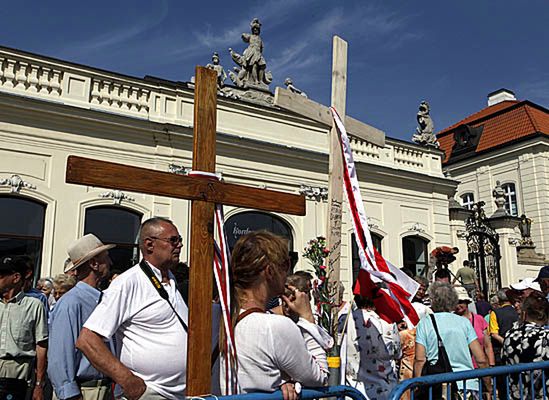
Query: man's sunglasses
(173,240)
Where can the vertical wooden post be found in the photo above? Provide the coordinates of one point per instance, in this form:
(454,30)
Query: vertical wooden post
(335,170)
(201,251)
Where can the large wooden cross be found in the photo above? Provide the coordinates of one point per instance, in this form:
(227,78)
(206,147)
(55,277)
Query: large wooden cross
(204,194)
(318,112)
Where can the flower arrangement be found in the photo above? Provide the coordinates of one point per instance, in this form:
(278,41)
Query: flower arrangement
(317,252)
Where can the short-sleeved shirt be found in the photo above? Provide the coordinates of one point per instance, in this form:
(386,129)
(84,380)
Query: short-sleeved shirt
(456,333)
(480,325)
(467,275)
(151,341)
(22,325)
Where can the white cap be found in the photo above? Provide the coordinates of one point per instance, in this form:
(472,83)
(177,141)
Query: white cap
(526,283)
(462,294)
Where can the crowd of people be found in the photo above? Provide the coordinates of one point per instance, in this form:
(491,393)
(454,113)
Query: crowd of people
(68,339)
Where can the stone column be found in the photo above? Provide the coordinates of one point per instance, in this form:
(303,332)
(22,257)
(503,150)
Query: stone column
(458,216)
(505,227)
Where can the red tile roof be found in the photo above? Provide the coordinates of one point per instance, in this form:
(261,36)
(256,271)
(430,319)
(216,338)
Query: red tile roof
(502,123)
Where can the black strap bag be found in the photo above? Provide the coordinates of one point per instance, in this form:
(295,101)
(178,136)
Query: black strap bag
(441,366)
(12,389)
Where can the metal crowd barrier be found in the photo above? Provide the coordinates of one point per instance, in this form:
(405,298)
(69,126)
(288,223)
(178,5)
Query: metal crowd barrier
(505,372)
(530,391)
(306,394)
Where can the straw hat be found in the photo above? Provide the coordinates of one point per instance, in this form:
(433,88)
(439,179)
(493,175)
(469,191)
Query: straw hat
(83,249)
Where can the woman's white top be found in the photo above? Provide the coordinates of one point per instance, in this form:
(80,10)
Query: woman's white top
(271,351)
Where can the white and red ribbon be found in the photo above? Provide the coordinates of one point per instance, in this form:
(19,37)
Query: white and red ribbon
(371,262)
(221,273)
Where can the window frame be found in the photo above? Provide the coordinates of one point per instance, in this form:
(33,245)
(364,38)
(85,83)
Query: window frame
(413,266)
(38,240)
(467,204)
(511,198)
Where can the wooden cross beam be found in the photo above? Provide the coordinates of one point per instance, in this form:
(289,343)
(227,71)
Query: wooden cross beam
(204,194)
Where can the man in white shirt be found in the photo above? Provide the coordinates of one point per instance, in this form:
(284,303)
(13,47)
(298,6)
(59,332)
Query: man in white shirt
(151,336)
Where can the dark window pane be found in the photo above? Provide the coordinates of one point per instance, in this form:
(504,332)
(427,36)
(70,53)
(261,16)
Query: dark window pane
(113,225)
(21,217)
(20,246)
(124,257)
(22,228)
(376,240)
(414,250)
(241,224)
(117,226)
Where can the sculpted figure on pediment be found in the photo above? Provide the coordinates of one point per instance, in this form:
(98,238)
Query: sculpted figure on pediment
(252,67)
(221,74)
(425,132)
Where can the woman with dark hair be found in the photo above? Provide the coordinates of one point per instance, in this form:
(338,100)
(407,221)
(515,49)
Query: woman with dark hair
(528,341)
(270,349)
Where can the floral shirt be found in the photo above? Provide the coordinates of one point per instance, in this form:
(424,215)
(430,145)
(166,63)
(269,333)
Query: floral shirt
(378,343)
(526,342)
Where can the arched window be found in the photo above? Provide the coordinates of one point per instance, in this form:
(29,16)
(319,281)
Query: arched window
(117,226)
(510,198)
(414,250)
(22,228)
(376,240)
(467,200)
(249,221)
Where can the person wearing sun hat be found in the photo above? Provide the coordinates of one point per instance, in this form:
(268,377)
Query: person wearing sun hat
(69,370)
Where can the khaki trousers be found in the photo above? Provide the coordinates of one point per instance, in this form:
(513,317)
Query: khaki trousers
(93,393)
(18,369)
(149,395)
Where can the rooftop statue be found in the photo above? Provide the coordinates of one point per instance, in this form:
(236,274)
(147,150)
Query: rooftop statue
(221,74)
(252,67)
(290,86)
(425,135)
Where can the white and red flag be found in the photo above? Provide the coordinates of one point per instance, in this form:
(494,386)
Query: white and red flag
(378,279)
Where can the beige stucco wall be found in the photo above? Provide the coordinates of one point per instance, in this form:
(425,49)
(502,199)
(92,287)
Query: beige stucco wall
(101,115)
(526,164)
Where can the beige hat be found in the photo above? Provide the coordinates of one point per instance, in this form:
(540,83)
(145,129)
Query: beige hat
(83,249)
(462,294)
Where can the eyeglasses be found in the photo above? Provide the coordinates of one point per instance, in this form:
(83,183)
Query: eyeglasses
(173,240)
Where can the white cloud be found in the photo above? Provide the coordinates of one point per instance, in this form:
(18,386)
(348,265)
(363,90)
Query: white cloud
(119,36)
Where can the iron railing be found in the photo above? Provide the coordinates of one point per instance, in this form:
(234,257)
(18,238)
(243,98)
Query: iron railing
(536,388)
(306,394)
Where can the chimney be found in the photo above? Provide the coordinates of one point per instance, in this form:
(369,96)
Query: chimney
(500,95)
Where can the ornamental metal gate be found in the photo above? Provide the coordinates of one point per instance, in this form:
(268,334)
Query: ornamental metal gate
(484,251)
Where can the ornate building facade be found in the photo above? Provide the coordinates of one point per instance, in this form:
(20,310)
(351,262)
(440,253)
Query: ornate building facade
(500,155)
(50,109)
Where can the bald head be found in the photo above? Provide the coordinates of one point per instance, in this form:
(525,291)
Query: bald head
(151,228)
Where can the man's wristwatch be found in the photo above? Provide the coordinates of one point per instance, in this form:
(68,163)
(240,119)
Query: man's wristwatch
(39,384)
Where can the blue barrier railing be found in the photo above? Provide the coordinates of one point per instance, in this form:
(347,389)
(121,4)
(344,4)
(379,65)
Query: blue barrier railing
(515,372)
(306,394)
(533,390)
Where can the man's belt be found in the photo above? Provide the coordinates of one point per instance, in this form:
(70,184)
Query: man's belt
(95,383)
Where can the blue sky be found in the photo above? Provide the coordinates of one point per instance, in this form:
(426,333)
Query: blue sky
(451,54)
